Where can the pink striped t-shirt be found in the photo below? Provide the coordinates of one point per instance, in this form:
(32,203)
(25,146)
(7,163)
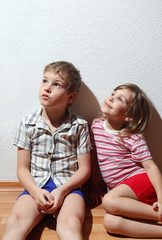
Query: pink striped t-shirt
(118,159)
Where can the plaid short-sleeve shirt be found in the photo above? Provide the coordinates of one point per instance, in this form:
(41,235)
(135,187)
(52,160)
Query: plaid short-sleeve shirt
(53,155)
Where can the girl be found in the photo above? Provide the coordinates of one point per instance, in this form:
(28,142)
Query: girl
(133,179)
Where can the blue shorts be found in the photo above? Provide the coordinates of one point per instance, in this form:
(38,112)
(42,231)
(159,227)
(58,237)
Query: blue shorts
(50,186)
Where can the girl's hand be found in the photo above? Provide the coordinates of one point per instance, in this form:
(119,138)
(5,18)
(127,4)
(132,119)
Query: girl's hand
(58,196)
(43,199)
(157,206)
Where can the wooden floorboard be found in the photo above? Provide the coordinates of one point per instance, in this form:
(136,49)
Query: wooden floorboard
(93,228)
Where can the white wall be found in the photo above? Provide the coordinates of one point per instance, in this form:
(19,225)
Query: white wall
(110,41)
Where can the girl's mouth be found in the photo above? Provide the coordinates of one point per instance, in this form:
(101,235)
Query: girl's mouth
(107,105)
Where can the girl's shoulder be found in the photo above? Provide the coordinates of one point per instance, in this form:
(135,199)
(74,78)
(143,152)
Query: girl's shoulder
(134,139)
(97,121)
(135,136)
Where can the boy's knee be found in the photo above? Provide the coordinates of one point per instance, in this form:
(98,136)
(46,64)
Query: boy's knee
(74,221)
(11,228)
(112,223)
(69,228)
(11,221)
(14,224)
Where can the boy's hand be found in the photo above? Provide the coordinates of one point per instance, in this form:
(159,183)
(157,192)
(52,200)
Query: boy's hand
(43,199)
(58,196)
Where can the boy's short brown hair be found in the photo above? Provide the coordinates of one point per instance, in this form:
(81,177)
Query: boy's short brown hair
(66,70)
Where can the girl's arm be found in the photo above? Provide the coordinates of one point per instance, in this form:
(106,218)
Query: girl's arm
(27,181)
(95,188)
(77,179)
(155,177)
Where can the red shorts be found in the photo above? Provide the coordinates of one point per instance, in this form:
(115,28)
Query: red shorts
(142,187)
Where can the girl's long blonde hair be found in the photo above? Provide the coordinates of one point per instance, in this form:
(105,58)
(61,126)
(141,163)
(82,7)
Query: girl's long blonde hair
(139,111)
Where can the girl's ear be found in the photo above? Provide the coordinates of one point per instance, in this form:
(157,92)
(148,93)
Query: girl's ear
(72,97)
(128,119)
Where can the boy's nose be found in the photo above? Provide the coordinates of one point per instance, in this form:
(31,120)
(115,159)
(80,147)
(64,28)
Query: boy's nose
(47,88)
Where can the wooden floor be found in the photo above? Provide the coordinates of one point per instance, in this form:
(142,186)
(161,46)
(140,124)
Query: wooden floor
(93,228)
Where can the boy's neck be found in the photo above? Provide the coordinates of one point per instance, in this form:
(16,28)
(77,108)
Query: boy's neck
(53,118)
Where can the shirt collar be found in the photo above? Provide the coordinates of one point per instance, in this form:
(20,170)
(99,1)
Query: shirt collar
(37,120)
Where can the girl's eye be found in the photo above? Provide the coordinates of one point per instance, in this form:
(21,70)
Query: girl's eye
(120,99)
(57,85)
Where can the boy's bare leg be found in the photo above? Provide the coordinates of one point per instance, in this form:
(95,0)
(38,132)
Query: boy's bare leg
(23,218)
(122,202)
(71,217)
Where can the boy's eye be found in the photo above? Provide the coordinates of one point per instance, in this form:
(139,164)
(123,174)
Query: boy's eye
(44,81)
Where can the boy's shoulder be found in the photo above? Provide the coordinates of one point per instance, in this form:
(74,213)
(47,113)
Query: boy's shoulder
(31,118)
(76,119)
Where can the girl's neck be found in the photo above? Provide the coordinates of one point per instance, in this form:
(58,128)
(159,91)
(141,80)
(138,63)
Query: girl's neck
(112,125)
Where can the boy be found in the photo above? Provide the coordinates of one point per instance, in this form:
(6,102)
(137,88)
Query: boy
(53,159)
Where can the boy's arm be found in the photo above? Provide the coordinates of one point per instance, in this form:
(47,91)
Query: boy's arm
(76,180)
(27,181)
(155,177)
(81,175)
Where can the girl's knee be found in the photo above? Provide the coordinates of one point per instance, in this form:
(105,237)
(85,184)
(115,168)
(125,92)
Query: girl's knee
(109,203)
(112,223)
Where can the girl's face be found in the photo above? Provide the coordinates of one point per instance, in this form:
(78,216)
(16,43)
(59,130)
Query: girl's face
(116,106)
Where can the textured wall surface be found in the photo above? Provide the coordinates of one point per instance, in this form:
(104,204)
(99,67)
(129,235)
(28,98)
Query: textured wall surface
(110,41)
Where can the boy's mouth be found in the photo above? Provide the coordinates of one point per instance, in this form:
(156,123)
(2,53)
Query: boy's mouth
(45,97)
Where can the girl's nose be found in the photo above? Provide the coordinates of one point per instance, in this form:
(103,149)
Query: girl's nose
(111,98)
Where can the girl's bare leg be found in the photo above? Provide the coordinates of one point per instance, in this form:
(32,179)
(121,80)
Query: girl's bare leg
(23,218)
(71,217)
(122,202)
(131,228)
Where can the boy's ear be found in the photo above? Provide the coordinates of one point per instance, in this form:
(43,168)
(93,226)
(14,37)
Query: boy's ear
(72,97)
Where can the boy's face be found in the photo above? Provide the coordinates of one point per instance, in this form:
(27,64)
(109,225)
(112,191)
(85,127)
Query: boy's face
(53,92)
